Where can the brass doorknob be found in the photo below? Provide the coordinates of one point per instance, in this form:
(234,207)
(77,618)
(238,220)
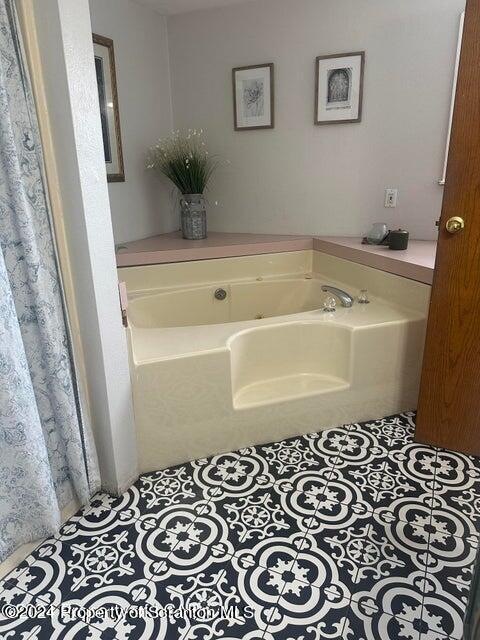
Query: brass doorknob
(455,224)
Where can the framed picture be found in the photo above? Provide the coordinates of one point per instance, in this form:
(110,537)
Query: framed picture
(339,88)
(109,113)
(253,97)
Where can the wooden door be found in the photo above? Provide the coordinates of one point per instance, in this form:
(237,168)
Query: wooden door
(449,402)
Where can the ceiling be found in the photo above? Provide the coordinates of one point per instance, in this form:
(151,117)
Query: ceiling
(170,7)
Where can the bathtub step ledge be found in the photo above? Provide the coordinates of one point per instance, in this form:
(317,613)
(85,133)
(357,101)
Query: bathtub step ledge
(286,388)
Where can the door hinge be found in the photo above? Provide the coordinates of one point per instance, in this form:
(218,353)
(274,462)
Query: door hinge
(122,293)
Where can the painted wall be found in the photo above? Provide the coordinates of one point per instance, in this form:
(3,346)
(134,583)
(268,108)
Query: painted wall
(142,205)
(66,64)
(301,178)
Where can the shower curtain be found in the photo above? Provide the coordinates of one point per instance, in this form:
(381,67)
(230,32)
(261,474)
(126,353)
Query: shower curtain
(47,456)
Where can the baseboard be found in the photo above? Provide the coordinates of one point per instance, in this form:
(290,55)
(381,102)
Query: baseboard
(119,490)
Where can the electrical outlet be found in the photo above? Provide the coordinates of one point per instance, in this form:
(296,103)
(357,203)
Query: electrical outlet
(391,196)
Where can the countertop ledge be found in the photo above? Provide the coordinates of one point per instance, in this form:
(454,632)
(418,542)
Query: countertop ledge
(416,263)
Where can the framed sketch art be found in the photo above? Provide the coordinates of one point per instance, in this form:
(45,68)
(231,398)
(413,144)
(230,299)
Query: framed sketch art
(253,104)
(339,88)
(109,112)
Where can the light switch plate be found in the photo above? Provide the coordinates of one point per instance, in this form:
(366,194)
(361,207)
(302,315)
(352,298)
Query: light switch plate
(391,197)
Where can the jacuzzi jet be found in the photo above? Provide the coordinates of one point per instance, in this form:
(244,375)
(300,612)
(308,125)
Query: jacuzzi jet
(220,294)
(259,316)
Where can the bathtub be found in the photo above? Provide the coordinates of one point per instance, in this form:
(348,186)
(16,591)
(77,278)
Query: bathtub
(266,362)
(244,301)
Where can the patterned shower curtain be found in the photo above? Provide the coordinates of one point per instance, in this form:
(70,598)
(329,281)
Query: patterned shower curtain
(47,456)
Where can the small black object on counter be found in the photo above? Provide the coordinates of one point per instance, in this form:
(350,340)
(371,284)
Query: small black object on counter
(398,240)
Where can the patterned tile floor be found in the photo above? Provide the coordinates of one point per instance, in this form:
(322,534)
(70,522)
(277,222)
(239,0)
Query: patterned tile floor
(353,533)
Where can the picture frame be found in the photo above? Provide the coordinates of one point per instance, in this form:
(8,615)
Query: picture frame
(109,110)
(253,97)
(339,88)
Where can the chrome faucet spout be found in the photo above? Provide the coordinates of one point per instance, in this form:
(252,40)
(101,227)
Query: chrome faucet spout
(345,298)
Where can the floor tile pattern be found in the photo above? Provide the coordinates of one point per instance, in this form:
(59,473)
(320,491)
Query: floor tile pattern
(353,533)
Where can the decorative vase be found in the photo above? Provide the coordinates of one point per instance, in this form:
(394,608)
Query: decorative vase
(193,216)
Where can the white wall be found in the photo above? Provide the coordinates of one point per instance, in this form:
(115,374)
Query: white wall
(63,32)
(300,178)
(141,206)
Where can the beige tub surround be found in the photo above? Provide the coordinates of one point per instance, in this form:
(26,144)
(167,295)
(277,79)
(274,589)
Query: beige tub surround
(211,376)
(417,262)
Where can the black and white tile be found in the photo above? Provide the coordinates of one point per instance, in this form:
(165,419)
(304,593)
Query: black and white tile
(353,533)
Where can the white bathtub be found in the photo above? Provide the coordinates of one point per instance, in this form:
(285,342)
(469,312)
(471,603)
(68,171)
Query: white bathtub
(265,363)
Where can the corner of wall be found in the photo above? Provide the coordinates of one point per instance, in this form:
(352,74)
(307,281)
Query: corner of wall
(64,35)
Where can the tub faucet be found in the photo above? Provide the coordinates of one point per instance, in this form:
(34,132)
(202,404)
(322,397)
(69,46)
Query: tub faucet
(345,298)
